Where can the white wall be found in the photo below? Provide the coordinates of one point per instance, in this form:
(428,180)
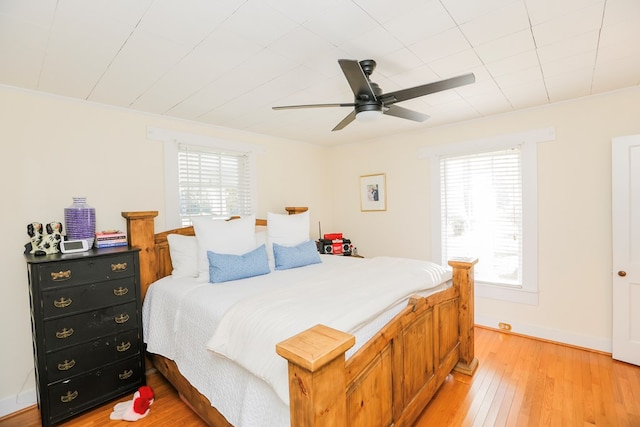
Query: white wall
(574,197)
(44,136)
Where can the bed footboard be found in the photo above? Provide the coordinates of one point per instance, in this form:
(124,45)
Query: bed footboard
(390,380)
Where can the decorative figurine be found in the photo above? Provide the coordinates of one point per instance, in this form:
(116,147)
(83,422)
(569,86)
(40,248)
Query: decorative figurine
(43,244)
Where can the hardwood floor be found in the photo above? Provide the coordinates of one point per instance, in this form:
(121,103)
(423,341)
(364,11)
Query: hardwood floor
(526,382)
(520,382)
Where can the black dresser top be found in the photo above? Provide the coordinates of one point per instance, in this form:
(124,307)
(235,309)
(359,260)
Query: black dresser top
(33,259)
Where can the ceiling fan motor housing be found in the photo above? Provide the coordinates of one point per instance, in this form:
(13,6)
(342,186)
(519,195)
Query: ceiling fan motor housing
(368,106)
(364,101)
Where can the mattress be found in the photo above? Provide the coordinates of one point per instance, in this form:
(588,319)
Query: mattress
(180,316)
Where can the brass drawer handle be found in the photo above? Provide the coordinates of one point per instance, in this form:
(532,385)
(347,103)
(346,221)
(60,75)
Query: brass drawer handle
(64,333)
(59,276)
(69,396)
(120,267)
(66,365)
(125,374)
(121,348)
(123,318)
(120,291)
(62,302)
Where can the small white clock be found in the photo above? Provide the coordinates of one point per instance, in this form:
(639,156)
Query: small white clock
(71,246)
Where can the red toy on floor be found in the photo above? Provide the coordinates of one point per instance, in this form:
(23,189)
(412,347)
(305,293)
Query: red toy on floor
(134,409)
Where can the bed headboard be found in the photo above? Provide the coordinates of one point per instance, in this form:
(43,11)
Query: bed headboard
(155,260)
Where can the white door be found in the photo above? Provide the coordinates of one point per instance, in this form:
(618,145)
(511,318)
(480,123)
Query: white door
(626,248)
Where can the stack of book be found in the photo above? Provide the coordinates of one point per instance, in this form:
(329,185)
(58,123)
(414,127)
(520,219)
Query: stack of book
(110,239)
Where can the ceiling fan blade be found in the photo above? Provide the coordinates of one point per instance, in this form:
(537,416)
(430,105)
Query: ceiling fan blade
(415,92)
(357,79)
(404,113)
(290,107)
(350,117)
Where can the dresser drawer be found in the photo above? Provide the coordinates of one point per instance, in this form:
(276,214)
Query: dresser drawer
(72,299)
(71,396)
(78,272)
(85,357)
(78,328)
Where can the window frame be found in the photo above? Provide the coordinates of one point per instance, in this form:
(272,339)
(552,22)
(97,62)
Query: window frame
(171,140)
(527,293)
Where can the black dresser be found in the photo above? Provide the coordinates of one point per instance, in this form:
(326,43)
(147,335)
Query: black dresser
(87,329)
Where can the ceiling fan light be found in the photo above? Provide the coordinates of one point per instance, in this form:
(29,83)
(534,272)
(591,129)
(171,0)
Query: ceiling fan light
(368,116)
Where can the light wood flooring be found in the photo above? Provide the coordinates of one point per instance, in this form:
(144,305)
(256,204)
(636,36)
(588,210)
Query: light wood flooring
(520,382)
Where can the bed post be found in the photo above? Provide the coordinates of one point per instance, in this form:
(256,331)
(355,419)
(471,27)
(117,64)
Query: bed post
(317,378)
(463,278)
(140,232)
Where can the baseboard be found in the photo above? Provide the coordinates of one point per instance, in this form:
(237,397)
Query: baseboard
(24,400)
(548,334)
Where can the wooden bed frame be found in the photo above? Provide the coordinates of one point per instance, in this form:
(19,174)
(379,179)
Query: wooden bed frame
(388,381)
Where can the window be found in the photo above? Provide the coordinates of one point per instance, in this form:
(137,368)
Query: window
(481,213)
(206,176)
(213,183)
(484,205)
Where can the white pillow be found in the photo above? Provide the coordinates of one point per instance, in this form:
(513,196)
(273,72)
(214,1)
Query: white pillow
(234,237)
(184,255)
(286,230)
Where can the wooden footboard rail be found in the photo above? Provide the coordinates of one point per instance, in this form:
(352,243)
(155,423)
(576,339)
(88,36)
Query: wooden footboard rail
(390,380)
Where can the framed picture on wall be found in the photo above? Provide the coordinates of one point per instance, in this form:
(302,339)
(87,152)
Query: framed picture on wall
(373,192)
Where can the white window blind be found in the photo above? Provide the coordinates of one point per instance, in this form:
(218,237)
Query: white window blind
(481,213)
(213,183)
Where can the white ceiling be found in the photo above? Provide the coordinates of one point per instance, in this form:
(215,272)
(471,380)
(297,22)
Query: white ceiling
(227,62)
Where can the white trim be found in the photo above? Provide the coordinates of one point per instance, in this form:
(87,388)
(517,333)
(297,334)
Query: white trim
(166,135)
(505,293)
(527,293)
(171,201)
(556,335)
(170,140)
(530,217)
(491,143)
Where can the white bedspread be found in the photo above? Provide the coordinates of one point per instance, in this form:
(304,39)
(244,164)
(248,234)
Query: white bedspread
(344,300)
(181,315)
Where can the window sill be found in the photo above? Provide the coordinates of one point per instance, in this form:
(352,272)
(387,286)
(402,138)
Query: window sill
(503,293)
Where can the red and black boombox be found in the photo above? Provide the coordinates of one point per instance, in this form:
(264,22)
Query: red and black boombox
(334,244)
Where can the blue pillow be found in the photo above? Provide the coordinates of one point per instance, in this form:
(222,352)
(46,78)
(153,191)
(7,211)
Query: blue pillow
(305,253)
(225,267)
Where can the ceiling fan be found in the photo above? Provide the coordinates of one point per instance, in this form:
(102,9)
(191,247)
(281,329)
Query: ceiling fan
(370,103)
